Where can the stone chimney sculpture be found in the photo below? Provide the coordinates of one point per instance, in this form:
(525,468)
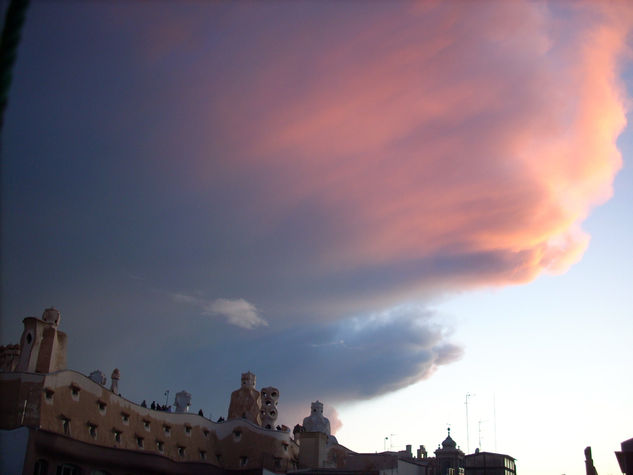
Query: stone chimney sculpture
(42,346)
(246,402)
(316,422)
(98,377)
(270,399)
(182,401)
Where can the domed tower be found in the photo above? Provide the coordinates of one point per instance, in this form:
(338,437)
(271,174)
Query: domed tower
(270,399)
(449,456)
(449,443)
(246,402)
(42,345)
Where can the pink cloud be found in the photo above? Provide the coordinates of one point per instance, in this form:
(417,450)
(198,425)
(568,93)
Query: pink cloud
(335,421)
(424,131)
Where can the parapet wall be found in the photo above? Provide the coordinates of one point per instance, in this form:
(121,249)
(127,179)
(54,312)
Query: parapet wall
(72,405)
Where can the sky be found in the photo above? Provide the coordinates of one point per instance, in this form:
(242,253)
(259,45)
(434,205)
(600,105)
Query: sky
(383,206)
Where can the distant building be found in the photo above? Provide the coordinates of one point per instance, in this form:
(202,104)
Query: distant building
(625,457)
(450,459)
(488,463)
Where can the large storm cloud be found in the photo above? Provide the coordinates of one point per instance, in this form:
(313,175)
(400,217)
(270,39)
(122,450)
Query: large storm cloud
(232,186)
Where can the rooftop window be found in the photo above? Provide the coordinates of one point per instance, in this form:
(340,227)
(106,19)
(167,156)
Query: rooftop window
(74,392)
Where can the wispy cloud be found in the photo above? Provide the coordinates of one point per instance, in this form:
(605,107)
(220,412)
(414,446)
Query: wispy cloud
(329,343)
(238,312)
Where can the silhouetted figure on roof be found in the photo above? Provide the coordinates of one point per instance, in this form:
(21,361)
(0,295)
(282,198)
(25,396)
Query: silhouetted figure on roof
(200,413)
(143,404)
(153,406)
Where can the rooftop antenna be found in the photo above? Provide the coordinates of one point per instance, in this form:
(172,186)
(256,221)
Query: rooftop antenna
(480,434)
(467,428)
(494,415)
(391,441)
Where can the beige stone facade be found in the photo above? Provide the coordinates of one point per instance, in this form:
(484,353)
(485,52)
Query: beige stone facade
(70,406)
